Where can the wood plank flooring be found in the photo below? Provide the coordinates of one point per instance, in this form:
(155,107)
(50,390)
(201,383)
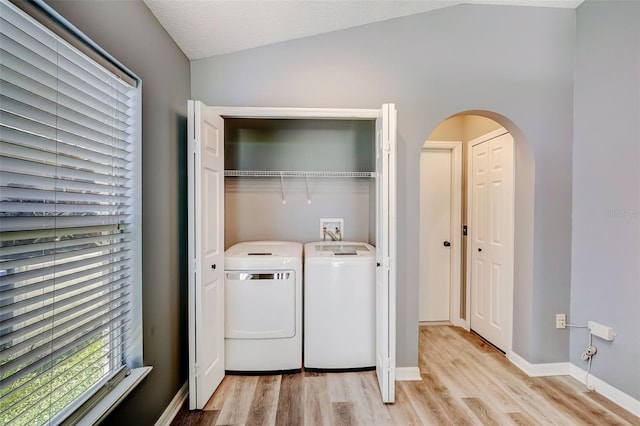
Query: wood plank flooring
(465,381)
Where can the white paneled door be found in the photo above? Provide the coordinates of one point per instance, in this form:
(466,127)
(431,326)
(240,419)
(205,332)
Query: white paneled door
(386,252)
(206,252)
(435,234)
(491,236)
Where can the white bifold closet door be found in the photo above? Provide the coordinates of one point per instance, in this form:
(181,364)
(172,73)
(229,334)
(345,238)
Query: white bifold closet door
(386,252)
(206,253)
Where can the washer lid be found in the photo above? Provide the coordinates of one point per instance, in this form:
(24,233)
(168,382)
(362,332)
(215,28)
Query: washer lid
(338,249)
(263,254)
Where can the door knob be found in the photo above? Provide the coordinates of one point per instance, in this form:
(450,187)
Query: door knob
(213,266)
(479,249)
(447,244)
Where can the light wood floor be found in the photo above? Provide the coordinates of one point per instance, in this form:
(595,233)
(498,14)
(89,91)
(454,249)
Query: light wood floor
(464,381)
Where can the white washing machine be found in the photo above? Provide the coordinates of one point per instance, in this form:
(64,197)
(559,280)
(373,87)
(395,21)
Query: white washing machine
(263,306)
(339,297)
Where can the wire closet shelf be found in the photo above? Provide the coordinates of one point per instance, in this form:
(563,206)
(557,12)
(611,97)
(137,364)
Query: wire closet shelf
(300,174)
(296,174)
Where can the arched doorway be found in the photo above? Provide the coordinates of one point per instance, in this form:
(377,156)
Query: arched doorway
(454,286)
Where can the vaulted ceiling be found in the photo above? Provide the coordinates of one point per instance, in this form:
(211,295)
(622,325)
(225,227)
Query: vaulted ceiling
(204,28)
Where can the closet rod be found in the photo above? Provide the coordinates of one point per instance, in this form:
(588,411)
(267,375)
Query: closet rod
(304,174)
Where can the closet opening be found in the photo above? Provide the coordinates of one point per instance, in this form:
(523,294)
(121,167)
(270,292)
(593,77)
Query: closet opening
(282,176)
(287,172)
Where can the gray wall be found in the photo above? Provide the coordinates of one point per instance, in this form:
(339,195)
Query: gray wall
(254,208)
(300,145)
(129,31)
(514,61)
(605,276)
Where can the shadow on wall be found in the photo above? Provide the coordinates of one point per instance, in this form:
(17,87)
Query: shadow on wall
(183,217)
(466,126)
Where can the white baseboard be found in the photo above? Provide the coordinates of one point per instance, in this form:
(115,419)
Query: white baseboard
(408,374)
(538,370)
(174,406)
(613,394)
(461,323)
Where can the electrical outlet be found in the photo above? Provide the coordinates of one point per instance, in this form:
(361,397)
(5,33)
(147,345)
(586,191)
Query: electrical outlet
(561,321)
(589,352)
(333,225)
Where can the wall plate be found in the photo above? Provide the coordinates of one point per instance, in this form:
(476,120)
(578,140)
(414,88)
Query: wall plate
(332,224)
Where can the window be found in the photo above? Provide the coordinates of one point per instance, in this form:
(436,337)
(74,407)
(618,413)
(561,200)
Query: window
(70,245)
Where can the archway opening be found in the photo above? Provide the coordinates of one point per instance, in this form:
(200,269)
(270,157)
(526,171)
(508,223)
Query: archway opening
(450,142)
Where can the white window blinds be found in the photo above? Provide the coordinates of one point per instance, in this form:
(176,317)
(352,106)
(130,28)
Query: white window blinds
(69,225)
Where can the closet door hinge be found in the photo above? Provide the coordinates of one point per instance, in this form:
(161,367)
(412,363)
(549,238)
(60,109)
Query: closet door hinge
(387,364)
(386,263)
(196,370)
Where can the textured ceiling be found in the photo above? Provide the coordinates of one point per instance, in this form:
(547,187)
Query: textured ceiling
(204,28)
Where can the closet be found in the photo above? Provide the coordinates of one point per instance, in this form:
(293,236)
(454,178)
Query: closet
(272,173)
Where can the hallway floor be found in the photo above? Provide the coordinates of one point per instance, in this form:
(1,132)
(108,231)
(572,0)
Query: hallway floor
(464,381)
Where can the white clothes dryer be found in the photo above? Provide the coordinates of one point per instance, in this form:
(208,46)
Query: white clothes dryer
(339,297)
(263,307)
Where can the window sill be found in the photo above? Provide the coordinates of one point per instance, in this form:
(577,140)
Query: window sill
(110,401)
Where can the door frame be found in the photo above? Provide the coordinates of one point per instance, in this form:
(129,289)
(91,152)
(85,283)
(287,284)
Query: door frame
(485,138)
(455,284)
(390,261)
